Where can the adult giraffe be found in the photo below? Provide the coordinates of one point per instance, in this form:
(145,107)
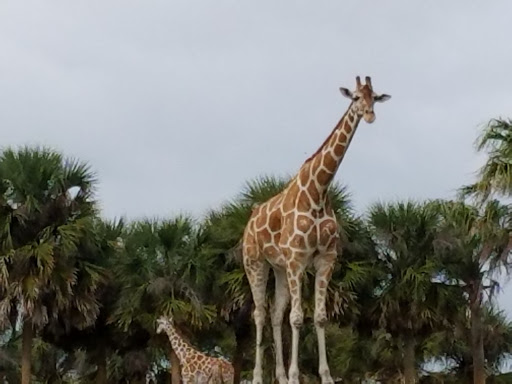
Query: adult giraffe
(296,228)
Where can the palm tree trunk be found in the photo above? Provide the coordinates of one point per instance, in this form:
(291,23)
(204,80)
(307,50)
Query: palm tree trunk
(101,373)
(243,338)
(26,352)
(175,367)
(138,379)
(238,358)
(409,360)
(477,344)
(243,342)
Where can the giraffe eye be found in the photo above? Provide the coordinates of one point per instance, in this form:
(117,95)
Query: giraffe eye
(355,98)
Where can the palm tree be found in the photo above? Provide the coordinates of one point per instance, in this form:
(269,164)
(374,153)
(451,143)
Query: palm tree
(100,339)
(46,206)
(9,356)
(495,176)
(497,329)
(161,272)
(51,364)
(410,303)
(476,246)
(453,347)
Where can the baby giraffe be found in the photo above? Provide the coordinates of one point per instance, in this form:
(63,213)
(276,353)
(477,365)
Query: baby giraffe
(196,367)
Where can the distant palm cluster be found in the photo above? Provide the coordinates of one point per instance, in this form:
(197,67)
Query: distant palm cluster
(412,294)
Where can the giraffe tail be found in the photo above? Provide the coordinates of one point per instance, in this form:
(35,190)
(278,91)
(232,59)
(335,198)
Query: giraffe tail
(235,253)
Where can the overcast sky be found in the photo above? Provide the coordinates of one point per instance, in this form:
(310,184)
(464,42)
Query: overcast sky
(177,104)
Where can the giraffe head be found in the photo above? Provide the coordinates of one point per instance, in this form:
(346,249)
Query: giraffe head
(163,324)
(364,98)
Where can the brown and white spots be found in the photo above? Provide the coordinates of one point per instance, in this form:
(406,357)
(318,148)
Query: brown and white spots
(303,203)
(272,204)
(261,222)
(288,205)
(330,163)
(313,237)
(294,228)
(274,221)
(347,128)
(293,265)
(304,178)
(328,229)
(193,363)
(264,237)
(313,192)
(304,223)
(272,252)
(339,148)
(324,176)
(293,284)
(298,241)
(317,161)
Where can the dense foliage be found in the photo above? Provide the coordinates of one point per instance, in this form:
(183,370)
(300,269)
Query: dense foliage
(412,297)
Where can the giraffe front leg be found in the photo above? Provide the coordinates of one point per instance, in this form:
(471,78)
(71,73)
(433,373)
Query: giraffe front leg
(282,297)
(257,274)
(324,265)
(295,272)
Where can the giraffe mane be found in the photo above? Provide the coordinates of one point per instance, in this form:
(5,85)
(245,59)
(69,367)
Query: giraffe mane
(328,137)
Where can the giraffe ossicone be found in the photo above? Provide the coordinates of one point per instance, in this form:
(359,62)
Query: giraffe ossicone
(296,228)
(196,367)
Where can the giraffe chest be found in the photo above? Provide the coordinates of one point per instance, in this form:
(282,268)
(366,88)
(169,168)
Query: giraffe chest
(302,233)
(275,231)
(309,233)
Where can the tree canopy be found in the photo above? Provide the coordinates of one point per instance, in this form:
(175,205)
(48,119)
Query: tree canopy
(414,285)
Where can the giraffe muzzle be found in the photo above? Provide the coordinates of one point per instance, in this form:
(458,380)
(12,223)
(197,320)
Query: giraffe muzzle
(369,117)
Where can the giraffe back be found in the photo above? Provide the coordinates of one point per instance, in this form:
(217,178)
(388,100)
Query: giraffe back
(203,369)
(222,372)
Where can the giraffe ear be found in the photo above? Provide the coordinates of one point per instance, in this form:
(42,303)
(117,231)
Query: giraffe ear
(381,98)
(345,92)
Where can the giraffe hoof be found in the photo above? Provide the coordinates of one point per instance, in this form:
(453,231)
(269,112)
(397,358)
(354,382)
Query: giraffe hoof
(293,377)
(257,380)
(327,380)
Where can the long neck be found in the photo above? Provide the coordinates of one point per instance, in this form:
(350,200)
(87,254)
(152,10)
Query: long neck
(180,346)
(323,164)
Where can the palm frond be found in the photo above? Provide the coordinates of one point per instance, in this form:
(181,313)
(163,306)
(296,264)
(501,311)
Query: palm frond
(495,176)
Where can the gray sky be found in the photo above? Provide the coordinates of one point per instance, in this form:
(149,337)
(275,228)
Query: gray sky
(177,104)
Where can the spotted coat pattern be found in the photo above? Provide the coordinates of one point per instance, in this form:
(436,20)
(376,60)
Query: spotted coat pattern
(196,367)
(297,228)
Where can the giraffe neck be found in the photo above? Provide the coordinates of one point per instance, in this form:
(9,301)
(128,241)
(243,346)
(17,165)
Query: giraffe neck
(179,345)
(323,164)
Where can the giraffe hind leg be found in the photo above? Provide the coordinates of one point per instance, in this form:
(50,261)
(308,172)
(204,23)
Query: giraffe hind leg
(282,298)
(324,265)
(295,272)
(257,270)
